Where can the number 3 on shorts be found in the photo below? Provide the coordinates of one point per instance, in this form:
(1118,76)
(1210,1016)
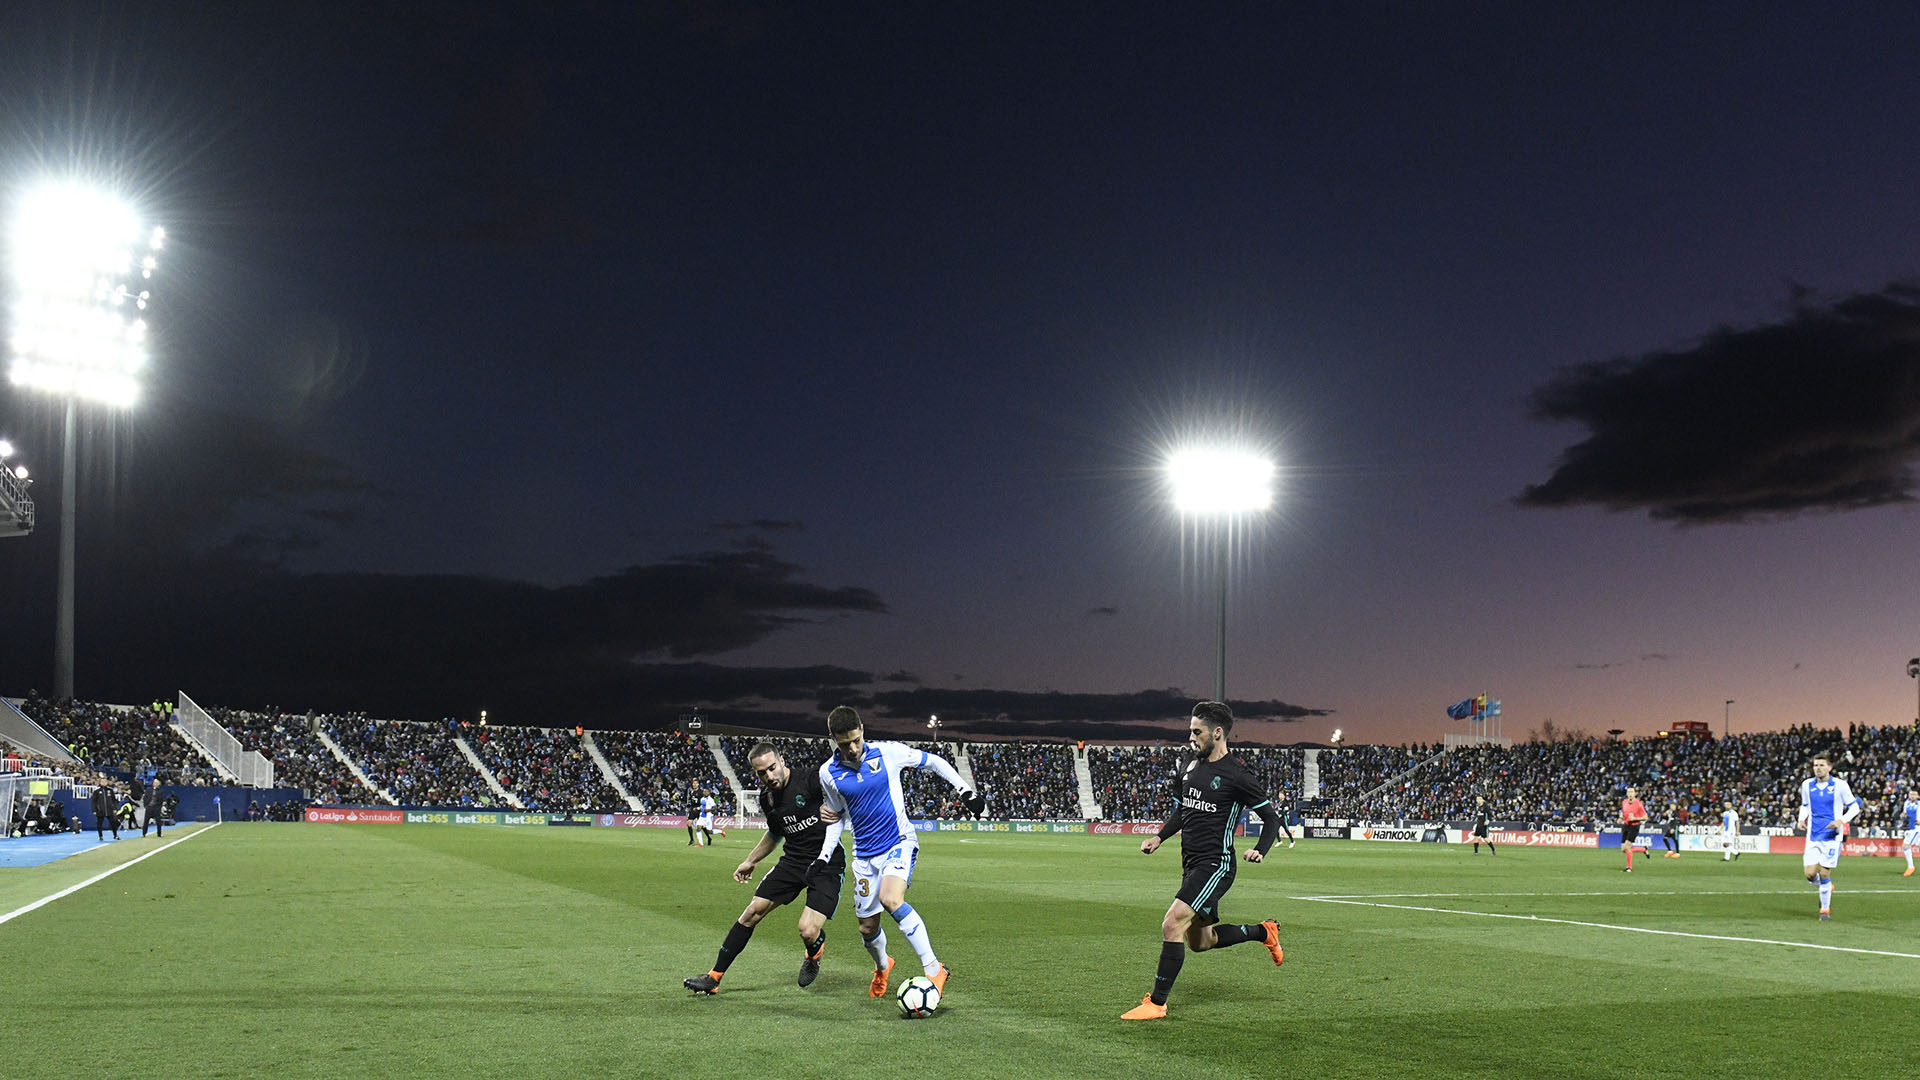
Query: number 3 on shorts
(865,886)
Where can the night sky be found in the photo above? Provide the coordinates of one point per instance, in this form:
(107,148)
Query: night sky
(590,362)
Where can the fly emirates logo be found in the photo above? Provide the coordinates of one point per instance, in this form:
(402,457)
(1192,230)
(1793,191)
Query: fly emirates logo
(1193,801)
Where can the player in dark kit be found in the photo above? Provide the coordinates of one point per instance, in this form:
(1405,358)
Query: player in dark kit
(796,814)
(1482,827)
(1214,788)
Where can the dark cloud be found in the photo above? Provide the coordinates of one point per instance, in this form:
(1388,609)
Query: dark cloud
(901,677)
(1032,711)
(1595,667)
(1660,656)
(772,525)
(1820,412)
(431,645)
(1102,611)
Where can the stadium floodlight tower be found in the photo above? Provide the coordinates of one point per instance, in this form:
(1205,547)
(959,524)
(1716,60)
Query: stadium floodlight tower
(16,507)
(1220,485)
(81,264)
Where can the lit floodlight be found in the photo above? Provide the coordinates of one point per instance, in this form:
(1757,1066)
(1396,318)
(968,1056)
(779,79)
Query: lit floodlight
(6,449)
(20,472)
(71,255)
(1220,481)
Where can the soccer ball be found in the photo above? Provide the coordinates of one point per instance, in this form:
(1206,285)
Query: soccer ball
(918,997)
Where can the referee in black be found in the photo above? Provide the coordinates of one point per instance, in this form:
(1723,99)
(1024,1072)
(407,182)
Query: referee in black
(796,814)
(1214,787)
(1482,827)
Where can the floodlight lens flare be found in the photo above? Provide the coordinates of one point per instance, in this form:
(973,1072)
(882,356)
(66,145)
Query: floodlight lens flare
(6,449)
(1220,481)
(71,255)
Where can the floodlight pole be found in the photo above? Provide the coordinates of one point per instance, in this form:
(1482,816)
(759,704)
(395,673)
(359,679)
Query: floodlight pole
(63,621)
(1220,635)
(1726,720)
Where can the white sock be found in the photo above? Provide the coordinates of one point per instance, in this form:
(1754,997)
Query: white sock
(916,930)
(1909,860)
(877,948)
(1826,893)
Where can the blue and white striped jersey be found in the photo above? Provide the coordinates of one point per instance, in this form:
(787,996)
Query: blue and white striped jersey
(1910,813)
(868,795)
(1824,804)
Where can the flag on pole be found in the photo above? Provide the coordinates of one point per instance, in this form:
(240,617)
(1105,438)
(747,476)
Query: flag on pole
(1461,711)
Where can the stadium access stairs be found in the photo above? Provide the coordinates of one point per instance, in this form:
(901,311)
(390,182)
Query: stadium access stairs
(963,764)
(1083,776)
(1402,775)
(219,767)
(726,770)
(493,782)
(606,770)
(353,766)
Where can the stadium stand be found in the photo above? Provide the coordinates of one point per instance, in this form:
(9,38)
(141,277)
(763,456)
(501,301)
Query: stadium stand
(547,769)
(299,758)
(132,738)
(418,763)
(659,768)
(1026,781)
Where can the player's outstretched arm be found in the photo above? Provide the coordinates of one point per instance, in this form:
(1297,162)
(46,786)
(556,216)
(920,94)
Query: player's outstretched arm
(761,850)
(920,759)
(1172,825)
(1270,823)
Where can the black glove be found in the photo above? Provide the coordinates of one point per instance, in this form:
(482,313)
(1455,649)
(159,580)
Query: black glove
(976,803)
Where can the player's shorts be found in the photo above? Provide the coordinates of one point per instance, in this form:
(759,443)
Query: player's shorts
(1821,853)
(1728,839)
(1480,832)
(704,821)
(1202,886)
(1912,838)
(819,880)
(896,862)
(1629,834)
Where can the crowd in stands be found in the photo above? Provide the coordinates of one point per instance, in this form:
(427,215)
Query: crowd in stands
(1555,783)
(418,764)
(300,759)
(546,769)
(1026,781)
(660,769)
(1350,772)
(139,739)
(1580,782)
(1135,783)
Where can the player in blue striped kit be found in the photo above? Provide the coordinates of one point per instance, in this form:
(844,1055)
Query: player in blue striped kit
(1826,806)
(861,783)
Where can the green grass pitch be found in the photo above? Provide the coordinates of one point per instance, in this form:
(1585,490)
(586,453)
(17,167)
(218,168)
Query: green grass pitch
(425,951)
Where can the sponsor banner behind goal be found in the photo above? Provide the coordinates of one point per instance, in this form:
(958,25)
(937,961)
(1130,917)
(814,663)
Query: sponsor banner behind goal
(1531,838)
(1865,845)
(1401,834)
(353,815)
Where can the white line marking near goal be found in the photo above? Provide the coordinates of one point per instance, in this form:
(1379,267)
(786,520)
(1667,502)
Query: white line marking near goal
(71,889)
(1609,892)
(1612,926)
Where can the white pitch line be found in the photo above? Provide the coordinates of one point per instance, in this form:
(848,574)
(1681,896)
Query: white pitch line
(1610,892)
(71,889)
(1612,926)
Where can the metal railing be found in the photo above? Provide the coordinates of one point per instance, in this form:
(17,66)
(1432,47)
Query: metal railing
(249,768)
